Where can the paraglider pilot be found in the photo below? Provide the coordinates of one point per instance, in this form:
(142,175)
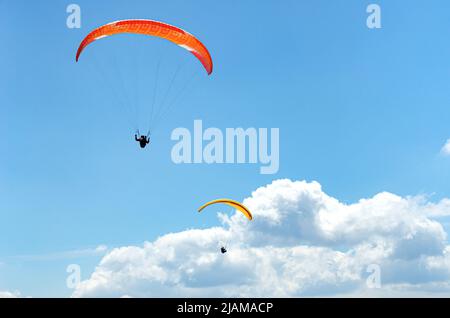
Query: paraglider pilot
(223,250)
(143,140)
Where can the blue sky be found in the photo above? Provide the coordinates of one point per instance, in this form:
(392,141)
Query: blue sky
(361,111)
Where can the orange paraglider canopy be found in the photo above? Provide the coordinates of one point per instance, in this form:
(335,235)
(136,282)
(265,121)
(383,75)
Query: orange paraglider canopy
(152,28)
(234,204)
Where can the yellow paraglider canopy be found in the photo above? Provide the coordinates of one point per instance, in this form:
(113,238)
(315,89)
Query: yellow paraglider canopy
(232,203)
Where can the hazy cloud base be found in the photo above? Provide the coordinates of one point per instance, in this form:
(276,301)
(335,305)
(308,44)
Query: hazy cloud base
(7,294)
(302,242)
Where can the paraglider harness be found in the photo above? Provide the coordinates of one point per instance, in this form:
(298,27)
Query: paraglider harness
(143,140)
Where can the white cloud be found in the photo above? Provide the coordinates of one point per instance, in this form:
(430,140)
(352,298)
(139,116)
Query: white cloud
(302,242)
(7,294)
(446,148)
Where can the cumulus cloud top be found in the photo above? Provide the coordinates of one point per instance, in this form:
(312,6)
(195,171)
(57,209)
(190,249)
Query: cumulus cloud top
(302,242)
